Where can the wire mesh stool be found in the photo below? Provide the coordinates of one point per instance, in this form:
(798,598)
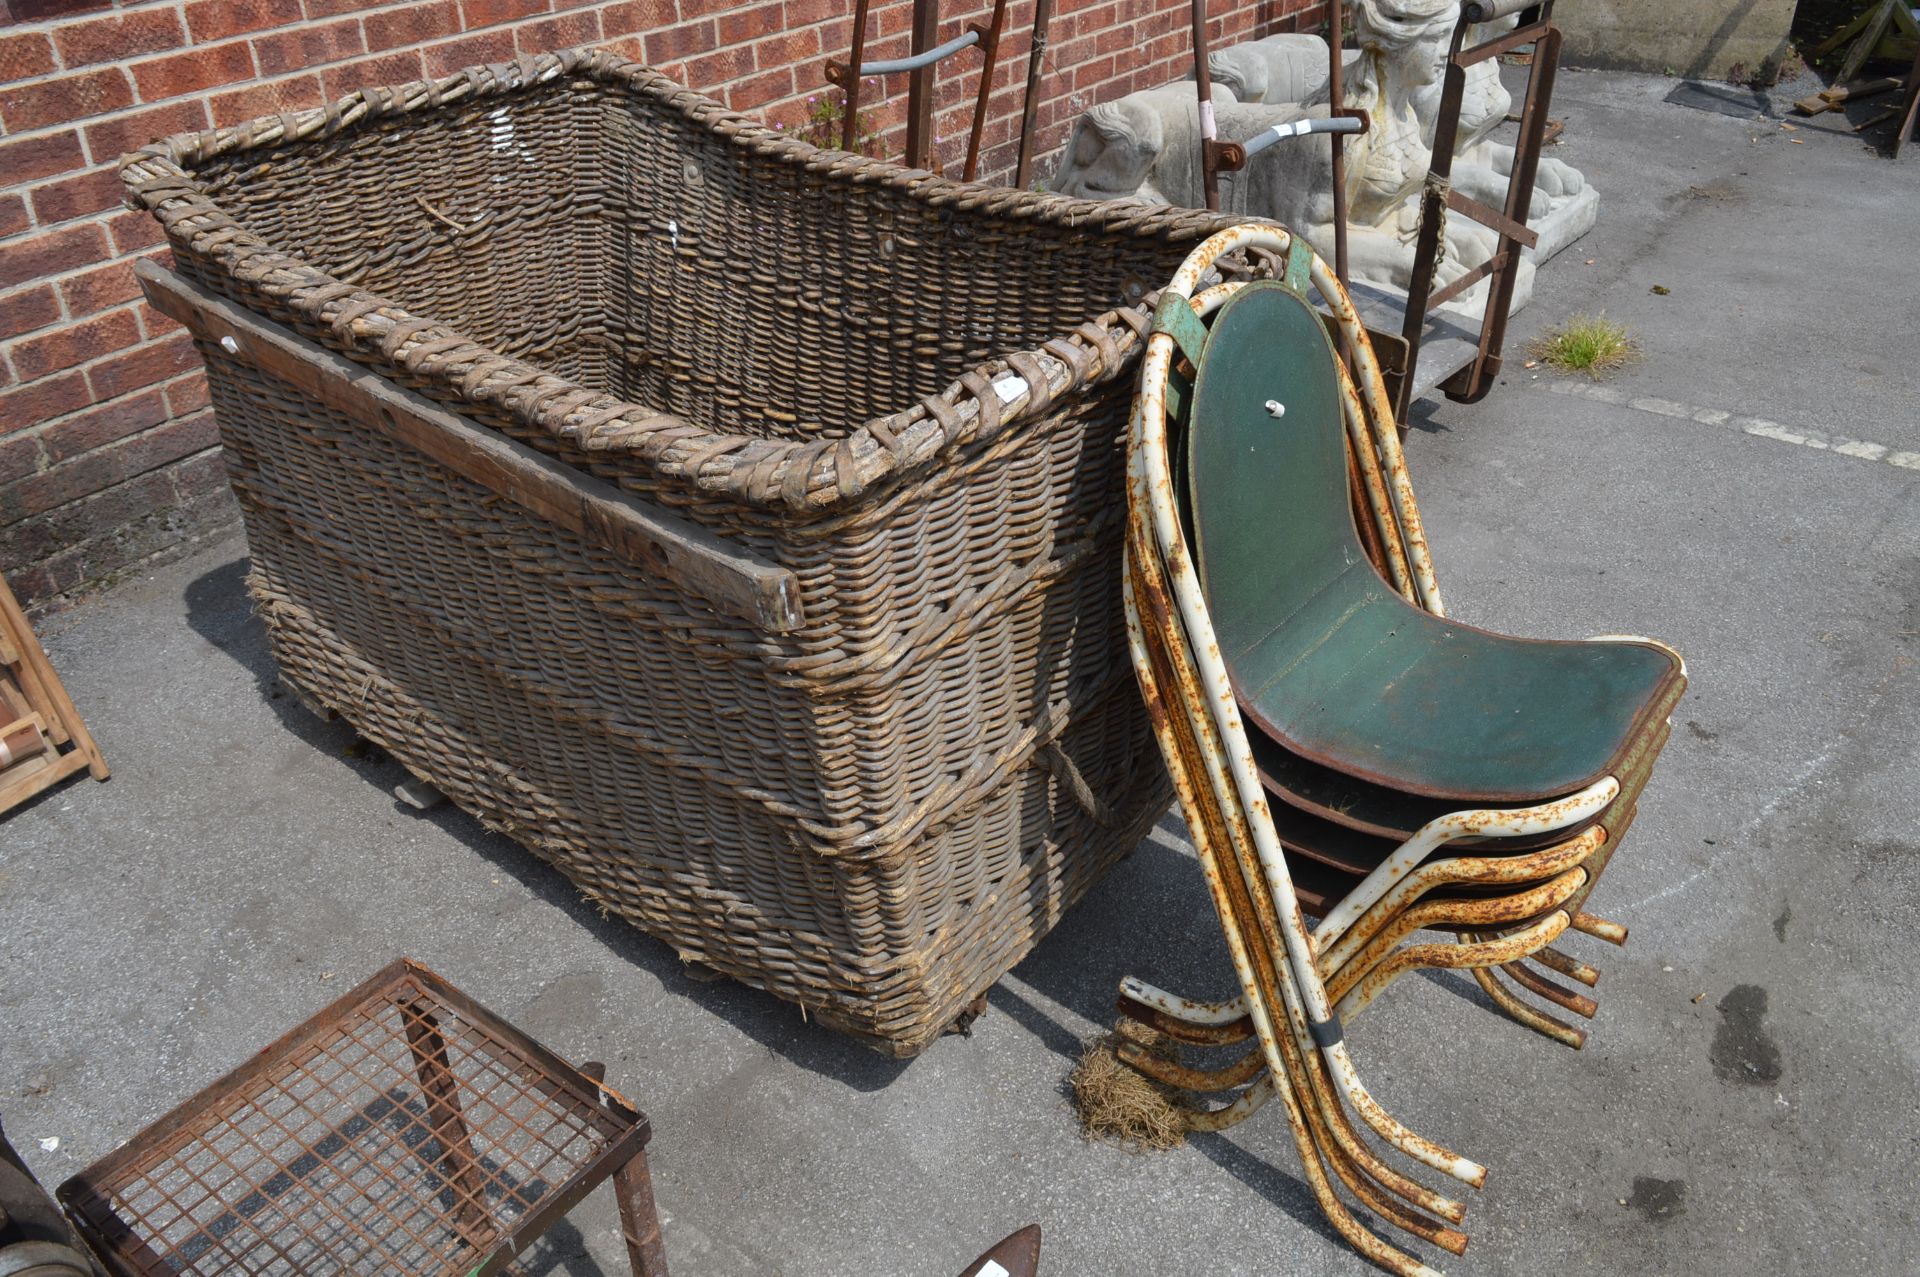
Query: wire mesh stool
(403,1130)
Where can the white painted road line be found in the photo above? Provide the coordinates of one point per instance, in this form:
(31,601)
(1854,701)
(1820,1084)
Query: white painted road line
(1863,449)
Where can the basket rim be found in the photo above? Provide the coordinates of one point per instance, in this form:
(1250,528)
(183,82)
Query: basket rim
(753,470)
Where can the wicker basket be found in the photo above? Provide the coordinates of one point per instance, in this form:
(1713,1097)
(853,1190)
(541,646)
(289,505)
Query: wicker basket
(850,715)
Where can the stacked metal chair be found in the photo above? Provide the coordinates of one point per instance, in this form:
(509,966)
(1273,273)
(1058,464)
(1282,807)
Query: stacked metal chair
(1340,748)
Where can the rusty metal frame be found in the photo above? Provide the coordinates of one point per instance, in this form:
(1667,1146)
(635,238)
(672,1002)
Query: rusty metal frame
(251,1137)
(1230,765)
(1217,156)
(1298,987)
(1304,1051)
(1030,103)
(920,66)
(1180,736)
(1544,882)
(1471,383)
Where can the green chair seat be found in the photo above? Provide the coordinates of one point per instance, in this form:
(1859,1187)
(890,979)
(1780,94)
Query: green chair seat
(1384,815)
(1325,656)
(1354,825)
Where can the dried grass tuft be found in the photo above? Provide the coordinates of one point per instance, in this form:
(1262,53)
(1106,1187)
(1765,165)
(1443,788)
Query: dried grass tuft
(1120,1106)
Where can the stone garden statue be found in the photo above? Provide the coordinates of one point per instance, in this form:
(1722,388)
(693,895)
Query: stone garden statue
(1146,145)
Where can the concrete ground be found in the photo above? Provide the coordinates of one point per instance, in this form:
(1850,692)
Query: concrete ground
(1746,1101)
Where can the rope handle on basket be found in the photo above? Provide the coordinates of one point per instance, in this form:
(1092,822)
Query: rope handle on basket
(1068,774)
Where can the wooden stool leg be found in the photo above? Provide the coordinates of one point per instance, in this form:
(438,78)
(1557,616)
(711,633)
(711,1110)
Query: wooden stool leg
(640,1218)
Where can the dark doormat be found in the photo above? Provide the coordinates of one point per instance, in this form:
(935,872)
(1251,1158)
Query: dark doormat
(1724,99)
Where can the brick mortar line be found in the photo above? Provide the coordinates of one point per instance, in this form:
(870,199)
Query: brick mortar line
(66,320)
(169,470)
(84,368)
(47,26)
(1759,427)
(45,427)
(39,428)
(42,229)
(81,123)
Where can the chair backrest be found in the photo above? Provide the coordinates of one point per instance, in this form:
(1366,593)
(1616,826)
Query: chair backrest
(1323,654)
(1277,523)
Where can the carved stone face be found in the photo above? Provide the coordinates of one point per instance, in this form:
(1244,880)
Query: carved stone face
(1412,34)
(1241,70)
(1113,151)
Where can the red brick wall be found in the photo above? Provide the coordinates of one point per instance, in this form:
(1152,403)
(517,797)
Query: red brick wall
(108,452)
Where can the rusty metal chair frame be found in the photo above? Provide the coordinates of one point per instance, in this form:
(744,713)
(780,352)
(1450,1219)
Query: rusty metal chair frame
(1296,985)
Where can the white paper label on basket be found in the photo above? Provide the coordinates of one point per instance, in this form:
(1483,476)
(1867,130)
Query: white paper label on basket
(993,1269)
(1010,388)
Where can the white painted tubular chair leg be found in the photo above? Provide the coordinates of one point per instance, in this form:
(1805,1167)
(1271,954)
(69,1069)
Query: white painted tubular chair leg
(1238,762)
(1277,1079)
(1389,922)
(1281,1047)
(1391,887)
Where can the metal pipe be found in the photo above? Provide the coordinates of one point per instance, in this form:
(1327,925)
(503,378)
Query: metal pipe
(894,66)
(1146,597)
(1214,1023)
(1337,950)
(852,95)
(1203,88)
(1042,15)
(1487,823)
(926,25)
(1210,1014)
(1479,956)
(1298,128)
(1566,965)
(1538,1021)
(1236,776)
(1493,10)
(1578,1003)
(991,52)
(1612,932)
(1183,1078)
(1250,1102)
(1337,100)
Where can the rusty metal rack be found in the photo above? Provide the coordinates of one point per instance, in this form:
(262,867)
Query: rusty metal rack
(403,1130)
(1472,373)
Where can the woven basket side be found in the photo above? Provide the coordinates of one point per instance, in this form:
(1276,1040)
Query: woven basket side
(490,673)
(438,358)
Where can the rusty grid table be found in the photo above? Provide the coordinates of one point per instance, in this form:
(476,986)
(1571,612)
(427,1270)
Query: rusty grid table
(403,1130)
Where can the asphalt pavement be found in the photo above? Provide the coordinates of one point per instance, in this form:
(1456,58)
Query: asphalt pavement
(1746,1100)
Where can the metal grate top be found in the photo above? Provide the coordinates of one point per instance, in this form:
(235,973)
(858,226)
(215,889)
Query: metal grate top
(403,1130)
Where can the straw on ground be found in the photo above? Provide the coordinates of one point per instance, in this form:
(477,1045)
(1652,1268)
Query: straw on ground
(1119,1105)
